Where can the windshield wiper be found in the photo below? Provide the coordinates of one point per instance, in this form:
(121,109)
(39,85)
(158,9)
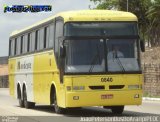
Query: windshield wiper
(120,64)
(96,57)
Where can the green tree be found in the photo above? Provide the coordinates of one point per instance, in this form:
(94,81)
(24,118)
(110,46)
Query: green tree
(106,4)
(153,15)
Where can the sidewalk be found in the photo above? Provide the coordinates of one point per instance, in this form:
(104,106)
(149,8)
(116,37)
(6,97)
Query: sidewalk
(150,99)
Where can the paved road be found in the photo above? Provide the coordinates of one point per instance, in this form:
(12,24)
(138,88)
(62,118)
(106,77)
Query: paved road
(9,107)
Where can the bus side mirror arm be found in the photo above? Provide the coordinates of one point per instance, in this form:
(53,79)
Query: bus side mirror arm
(142,45)
(62,51)
(62,54)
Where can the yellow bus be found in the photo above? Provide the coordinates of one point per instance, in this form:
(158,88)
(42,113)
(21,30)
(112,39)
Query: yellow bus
(76,59)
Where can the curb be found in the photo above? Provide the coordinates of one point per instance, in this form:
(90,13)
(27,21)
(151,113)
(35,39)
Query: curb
(151,99)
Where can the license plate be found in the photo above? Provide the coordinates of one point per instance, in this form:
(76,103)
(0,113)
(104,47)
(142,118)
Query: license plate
(106,96)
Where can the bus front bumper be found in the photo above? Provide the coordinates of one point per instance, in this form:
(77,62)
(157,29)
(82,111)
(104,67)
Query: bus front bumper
(103,98)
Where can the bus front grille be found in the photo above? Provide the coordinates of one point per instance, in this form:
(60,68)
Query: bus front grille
(97,87)
(116,86)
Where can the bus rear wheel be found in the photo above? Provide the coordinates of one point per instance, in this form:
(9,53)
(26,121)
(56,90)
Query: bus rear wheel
(117,109)
(58,109)
(20,100)
(26,103)
(21,103)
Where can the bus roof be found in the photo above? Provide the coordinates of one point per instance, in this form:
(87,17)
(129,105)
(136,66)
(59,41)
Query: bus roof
(85,15)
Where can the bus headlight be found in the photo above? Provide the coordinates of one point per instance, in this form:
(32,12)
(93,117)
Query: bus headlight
(133,86)
(78,87)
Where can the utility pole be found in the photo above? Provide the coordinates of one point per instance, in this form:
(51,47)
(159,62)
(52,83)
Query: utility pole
(127,5)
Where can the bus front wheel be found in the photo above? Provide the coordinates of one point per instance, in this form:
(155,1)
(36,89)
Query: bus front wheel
(117,109)
(58,109)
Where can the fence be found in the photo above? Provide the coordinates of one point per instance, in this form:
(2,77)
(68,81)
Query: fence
(151,79)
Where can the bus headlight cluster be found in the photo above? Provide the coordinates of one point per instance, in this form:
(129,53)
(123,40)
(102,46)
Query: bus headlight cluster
(133,86)
(78,87)
(69,88)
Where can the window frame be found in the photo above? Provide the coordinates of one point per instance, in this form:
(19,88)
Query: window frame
(32,32)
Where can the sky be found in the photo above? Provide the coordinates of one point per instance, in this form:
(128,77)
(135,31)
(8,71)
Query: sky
(15,21)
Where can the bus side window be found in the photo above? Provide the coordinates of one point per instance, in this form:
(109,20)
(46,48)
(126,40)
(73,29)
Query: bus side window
(12,47)
(46,36)
(33,36)
(51,36)
(41,39)
(18,45)
(38,40)
(58,33)
(25,40)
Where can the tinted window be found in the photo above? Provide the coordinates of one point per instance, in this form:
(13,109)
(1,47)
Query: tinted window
(85,56)
(58,33)
(33,41)
(41,39)
(122,55)
(12,47)
(25,43)
(101,29)
(47,37)
(51,36)
(38,43)
(18,45)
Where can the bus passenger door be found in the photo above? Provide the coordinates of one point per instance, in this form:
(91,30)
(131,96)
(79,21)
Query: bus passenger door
(58,35)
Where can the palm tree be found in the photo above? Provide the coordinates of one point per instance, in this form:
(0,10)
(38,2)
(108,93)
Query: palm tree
(153,15)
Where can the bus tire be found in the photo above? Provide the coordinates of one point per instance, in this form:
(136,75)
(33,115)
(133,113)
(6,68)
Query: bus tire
(117,109)
(21,103)
(57,109)
(20,100)
(26,103)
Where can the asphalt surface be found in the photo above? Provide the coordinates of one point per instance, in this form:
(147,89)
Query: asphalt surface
(10,111)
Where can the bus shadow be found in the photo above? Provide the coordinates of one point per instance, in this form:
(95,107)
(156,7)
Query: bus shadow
(91,111)
(100,112)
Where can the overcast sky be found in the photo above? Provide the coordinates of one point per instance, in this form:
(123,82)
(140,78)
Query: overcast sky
(14,21)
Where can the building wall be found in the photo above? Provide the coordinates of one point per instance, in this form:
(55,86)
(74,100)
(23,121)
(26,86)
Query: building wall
(3,72)
(151,79)
(4,81)
(3,60)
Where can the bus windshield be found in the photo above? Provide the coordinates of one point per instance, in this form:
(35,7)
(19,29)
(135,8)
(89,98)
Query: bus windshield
(106,52)
(85,56)
(122,55)
(100,29)
(101,55)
